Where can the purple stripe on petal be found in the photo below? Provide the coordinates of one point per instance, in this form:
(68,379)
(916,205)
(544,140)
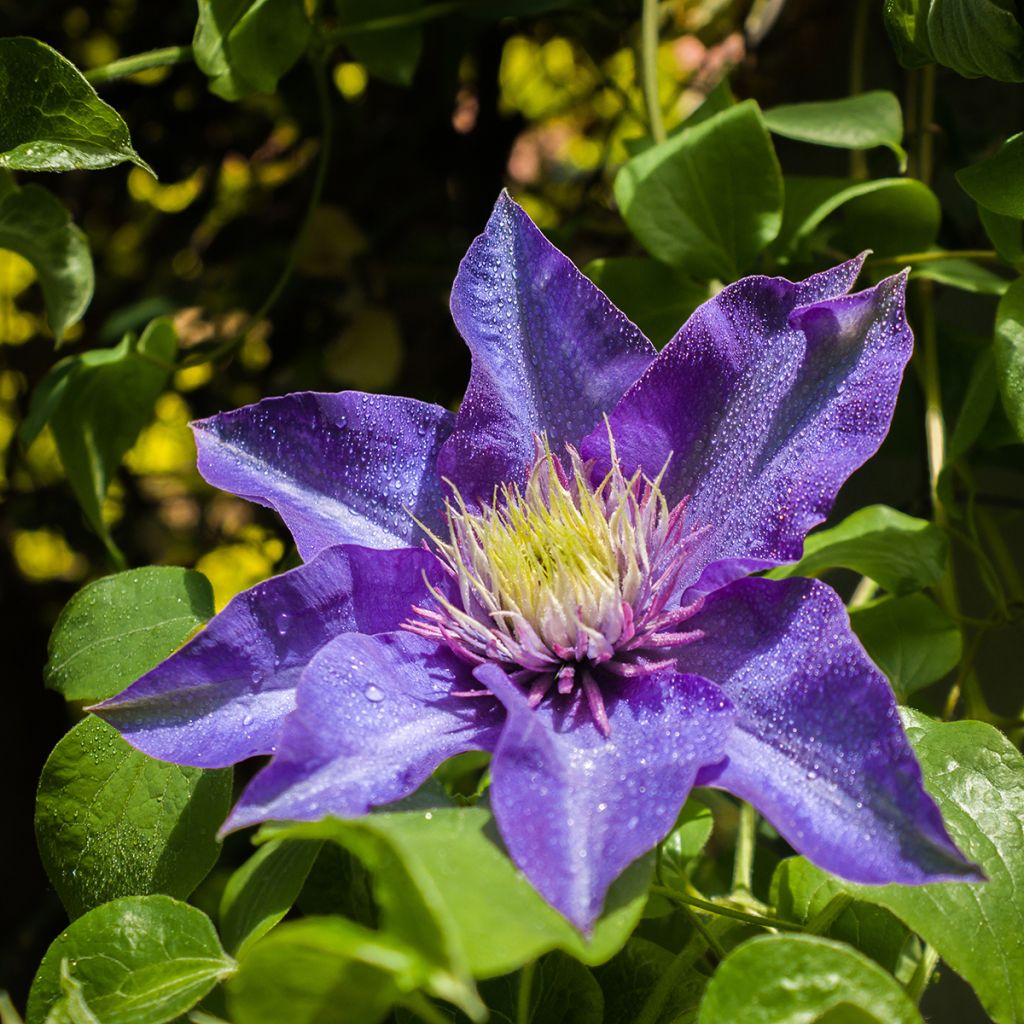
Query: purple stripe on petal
(224,696)
(765,407)
(818,747)
(575,808)
(551,353)
(347,468)
(374,718)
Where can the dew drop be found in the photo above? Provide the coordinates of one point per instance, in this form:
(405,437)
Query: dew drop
(374,693)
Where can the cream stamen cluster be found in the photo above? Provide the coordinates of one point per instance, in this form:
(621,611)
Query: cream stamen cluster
(561,581)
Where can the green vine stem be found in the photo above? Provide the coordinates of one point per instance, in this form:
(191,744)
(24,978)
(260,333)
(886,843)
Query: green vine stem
(922,973)
(126,66)
(649,63)
(524,1009)
(937,256)
(723,911)
(743,864)
(681,964)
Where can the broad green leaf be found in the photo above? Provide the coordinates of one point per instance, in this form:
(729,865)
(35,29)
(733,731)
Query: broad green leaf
(141,958)
(112,822)
(53,120)
(709,199)
(656,297)
(977,778)
(35,225)
(997,183)
(1008,350)
(854,122)
(799,892)
(977,405)
(96,404)
(964,275)
(262,891)
(119,627)
(899,552)
(911,639)
(320,969)
(245,46)
(458,877)
(887,215)
(794,979)
(391,53)
(1005,233)
(71,1008)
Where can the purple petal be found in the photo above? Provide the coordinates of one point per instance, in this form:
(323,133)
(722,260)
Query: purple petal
(551,353)
(374,718)
(574,808)
(224,696)
(818,747)
(765,408)
(338,468)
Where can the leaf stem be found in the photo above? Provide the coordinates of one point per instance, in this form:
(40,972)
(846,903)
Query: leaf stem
(125,66)
(649,62)
(683,961)
(393,21)
(937,256)
(746,835)
(858,48)
(722,911)
(524,1011)
(923,972)
(822,921)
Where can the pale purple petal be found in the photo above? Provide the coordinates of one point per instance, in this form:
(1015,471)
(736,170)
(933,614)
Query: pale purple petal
(347,468)
(817,746)
(575,808)
(374,718)
(765,407)
(551,353)
(224,696)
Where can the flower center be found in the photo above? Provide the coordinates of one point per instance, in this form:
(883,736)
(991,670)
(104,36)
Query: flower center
(561,581)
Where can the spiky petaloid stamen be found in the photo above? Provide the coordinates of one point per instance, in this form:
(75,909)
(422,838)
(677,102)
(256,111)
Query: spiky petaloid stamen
(561,581)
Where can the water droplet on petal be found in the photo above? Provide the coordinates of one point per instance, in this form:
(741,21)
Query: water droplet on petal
(374,693)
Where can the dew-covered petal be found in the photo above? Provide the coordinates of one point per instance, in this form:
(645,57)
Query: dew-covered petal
(817,746)
(373,719)
(551,353)
(224,696)
(576,808)
(338,468)
(765,406)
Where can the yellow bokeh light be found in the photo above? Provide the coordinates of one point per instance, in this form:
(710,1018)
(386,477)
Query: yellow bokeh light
(350,79)
(44,555)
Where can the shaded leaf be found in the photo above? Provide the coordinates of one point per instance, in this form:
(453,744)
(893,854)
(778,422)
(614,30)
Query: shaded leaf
(997,183)
(112,822)
(53,120)
(141,958)
(964,275)
(390,54)
(35,225)
(977,405)
(1008,351)
(119,627)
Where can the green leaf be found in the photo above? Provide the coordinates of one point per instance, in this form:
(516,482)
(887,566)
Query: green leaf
(35,225)
(390,54)
(656,297)
(799,891)
(245,46)
(977,778)
(141,958)
(899,552)
(793,979)
(111,821)
(964,275)
(1008,350)
(96,404)
(911,639)
(888,215)
(854,122)
(562,991)
(53,120)
(997,183)
(71,1008)
(1005,233)
(262,891)
(709,199)
(457,881)
(119,627)
(321,969)
(977,406)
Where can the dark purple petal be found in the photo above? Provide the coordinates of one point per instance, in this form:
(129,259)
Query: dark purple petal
(373,719)
(347,468)
(224,696)
(817,746)
(765,407)
(551,353)
(574,808)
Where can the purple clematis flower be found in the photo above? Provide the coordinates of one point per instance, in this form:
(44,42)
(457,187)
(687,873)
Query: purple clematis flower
(559,575)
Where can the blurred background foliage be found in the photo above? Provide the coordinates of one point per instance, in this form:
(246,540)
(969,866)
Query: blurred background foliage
(430,120)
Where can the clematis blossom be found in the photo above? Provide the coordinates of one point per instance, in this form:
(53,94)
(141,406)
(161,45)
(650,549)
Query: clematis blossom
(560,575)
